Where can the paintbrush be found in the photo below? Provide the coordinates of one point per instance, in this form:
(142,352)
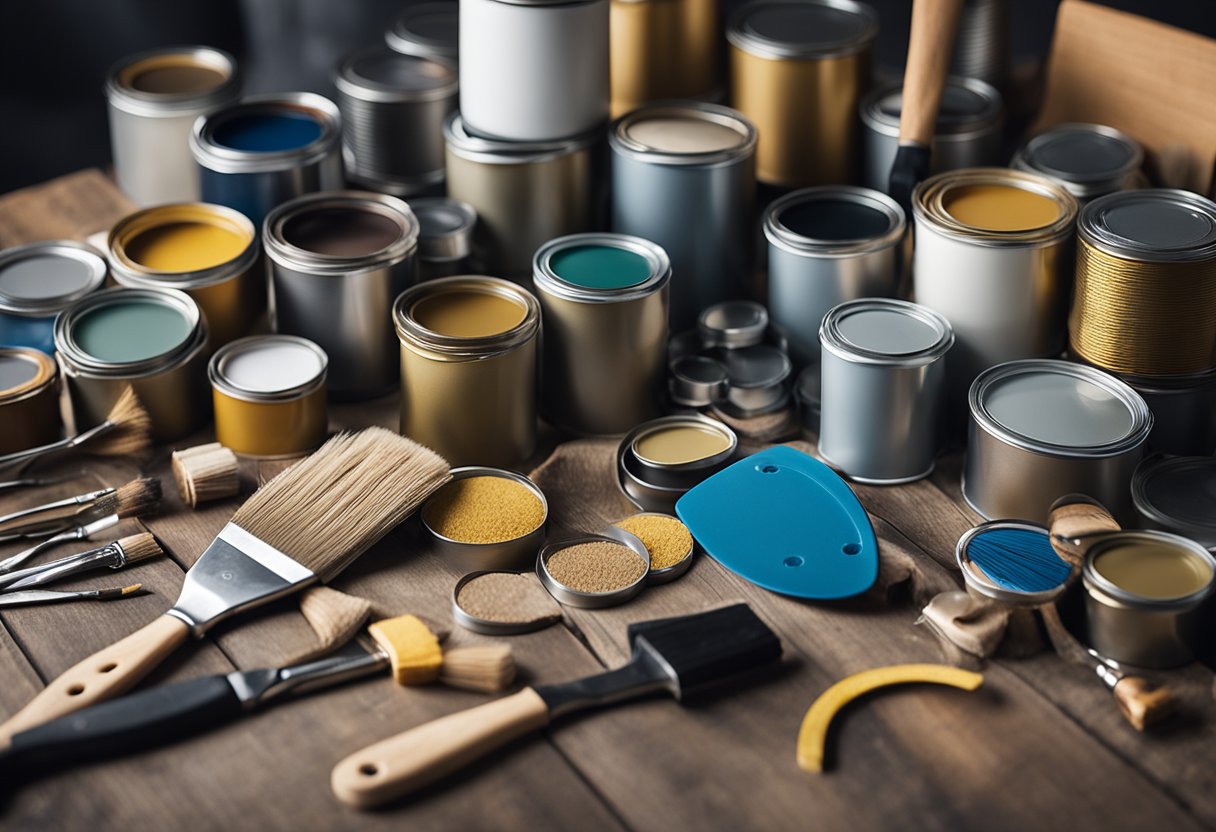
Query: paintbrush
(117,555)
(56,516)
(305,525)
(672,655)
(25,482)
(127,430)
(47,596)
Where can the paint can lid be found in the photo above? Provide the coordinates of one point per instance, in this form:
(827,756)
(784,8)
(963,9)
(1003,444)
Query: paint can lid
(733,324)
(697,381)
(1088,159)
(968,105)
(801,29)
(1178,494)
(834,221)
(445,228)
(684,133)
(884,331)
(1151,225)
(24,371)
(430,30)
(381,76)
(39,280)
(268,368)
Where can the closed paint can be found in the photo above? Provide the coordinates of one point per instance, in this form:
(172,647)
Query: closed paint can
(468,368)
(428,30)
(1043,429)
(683,176)
(663,49)
(798,71)
(828,245)
(967,133)
(269,395)
(1090,160)
(208,251)
(1147,598)
(37,282)
(603,300)
(1178,495)
(29,399)
(393,108)
(533,70)
(994,255)
(336,261)
(266,149)
(882,379)
(154,99)
(1184,412)
(153,340)
(445,236)
(525,194)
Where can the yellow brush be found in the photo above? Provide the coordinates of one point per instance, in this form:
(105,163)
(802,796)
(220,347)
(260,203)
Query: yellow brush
(417,658)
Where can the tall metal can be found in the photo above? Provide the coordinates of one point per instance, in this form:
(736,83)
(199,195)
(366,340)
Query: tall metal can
(663,49)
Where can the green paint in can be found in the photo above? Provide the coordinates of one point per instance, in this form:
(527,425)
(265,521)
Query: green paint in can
(134,330)
(600,267)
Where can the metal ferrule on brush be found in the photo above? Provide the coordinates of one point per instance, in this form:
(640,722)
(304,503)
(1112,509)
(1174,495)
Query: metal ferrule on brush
(110,555)
(359,657)
(40,518)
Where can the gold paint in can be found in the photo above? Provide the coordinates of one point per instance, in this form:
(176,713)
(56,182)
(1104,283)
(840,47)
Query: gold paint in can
(29,399)
(662,49)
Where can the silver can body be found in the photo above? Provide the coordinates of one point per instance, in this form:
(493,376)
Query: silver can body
(533,71)
(1184,413)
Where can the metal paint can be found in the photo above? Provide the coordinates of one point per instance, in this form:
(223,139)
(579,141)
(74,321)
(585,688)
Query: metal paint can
(445,236)
(37,282)
(533,70)
(683,175)
(882,379)
(1184,412)
(733,324)
(798,71)
(266,149)
(428,30)
(828,245)
(982,43)
(269,395)
(660,460)
(393,108)
(1090,160)
(207,251)
(1178,495)
(524,193)
(994,255)
(1043,429)
(468,368)
(29,399)
(153,340)
(337,260)
(967,133)
(663,49)
(154,98)
(603,300)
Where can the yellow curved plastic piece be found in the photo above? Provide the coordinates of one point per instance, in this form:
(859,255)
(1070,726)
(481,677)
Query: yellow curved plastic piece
(412,648)
(812,736)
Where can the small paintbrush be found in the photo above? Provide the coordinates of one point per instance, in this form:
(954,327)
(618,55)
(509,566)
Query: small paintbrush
(127,430)
(47,596)
(117,555)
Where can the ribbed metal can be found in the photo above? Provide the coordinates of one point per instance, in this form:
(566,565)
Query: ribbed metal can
(664,49)
(982,47)
(1090,160)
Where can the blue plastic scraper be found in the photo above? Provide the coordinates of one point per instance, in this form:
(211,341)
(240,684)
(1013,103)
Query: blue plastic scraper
(785,522)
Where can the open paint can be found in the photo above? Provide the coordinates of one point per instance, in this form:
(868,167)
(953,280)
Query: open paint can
(660,460)
(37,282)
(29,399)
(428,30)
(663,50)
(1090,160)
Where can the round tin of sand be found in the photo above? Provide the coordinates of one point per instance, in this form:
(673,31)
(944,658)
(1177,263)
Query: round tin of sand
(664,574)
(532,615)
(594,600)
(515,553)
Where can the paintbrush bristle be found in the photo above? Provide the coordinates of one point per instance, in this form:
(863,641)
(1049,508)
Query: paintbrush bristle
(104,506)
(330,507)
(132,431)
(138,497)
(139,547)
(488,668)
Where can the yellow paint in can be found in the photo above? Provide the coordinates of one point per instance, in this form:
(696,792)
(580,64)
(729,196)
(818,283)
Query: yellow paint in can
(468,313)
(186,246)
(995,207)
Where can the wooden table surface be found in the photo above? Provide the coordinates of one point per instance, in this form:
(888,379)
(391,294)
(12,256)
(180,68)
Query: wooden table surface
(1040,746)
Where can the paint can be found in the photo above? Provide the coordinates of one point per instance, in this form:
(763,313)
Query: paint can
(428,30)
(828,245)
(1090,160)
(663,50)
(967,133)
(798,71)
(269,395)
(153,340)
(266,149)
(207,251)
(982,42)
(1178,495)
(524,193)
(29,399)
(533,70)
(337,261)
(468,368)
(1146,598)
(732,325)
(445,236)
(604,304)
(994,255)
(1043,429)
(153,100)
(683,175)
(883,376)
(37,282)
(393,108)
(660,460)
(1183,408)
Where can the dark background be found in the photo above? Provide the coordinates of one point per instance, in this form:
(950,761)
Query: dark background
(54,55)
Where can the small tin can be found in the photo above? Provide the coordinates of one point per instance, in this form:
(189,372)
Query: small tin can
(733,324)
(445,236)
(757,379)
(468,368)
(1090,160)
(828,245)
(37,282)
(798,71)
(336,261)
(662,50)
(428,30)
(603,300)
(269,395)
(883,377)
(1043,429)
(207,251)
(266,149)
(697,381)
(153,340)
(515,554)
(29,399)
(572,597)
(533,70)
(967,133)
(153,99)
(1178,495)
(660,460)
(393,108)
(554,180)
(683,175)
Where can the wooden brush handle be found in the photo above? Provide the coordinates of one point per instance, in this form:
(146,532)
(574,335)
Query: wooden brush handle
(1142,702)
(929,49)
(104,675)
(1077,522)
(415,758)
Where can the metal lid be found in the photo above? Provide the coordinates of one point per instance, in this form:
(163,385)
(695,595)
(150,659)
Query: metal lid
(123,90)
(445,227)
(129,272)
(281,248)
(39,280)
(465,145)
(834,221)
(930,196)
(593,600)
(70,321)
(382,76)
(1178,494)
(1059,408)
(697,381)
(268,368)
(1089,159)
(684,133)
(968,106)
(648,268)
(980,583)
(892,333)
(761,366)
(1156,225)
(733,324)
(803,28)
(1202,559)
(213,155)
(24,372)
(431,30)
(450,347)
